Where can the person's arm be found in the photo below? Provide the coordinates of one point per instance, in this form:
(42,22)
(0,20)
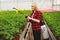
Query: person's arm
(37,18)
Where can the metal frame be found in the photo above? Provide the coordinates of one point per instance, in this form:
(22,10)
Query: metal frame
(26,32)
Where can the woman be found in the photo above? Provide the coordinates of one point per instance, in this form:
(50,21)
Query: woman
(35,18)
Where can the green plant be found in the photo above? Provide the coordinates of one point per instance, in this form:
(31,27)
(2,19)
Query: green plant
(10,23)
(53,21)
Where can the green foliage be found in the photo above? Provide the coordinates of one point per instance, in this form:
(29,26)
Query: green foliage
(53,20)
(10,22)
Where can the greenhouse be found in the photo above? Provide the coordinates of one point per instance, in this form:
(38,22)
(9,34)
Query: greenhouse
(17,18)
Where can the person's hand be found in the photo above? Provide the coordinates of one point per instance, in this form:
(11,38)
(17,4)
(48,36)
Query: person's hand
(26,16)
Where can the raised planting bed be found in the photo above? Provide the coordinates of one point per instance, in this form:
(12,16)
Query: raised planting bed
(11,24)
(53,21)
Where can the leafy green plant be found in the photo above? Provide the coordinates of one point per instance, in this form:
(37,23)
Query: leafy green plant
(53,20)
(10,23)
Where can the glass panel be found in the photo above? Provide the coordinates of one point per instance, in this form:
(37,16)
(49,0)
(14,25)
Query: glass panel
(9,4)
(56,2)
(56,7)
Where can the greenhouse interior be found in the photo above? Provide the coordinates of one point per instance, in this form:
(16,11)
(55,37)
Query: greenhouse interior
(15,25)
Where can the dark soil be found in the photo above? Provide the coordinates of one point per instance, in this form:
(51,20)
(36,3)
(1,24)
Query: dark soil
(1,37)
